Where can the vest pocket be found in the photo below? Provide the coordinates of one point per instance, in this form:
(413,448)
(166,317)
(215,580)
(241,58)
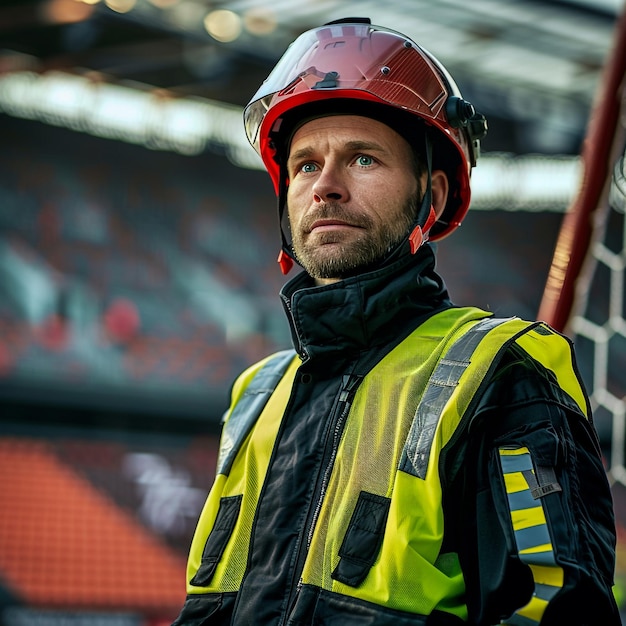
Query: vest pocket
(225,520)
(363,539)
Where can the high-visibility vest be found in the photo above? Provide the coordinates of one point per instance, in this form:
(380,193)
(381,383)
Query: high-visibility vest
(379,528)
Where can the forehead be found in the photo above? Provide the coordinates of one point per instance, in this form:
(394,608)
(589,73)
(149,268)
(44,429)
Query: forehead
(345,129)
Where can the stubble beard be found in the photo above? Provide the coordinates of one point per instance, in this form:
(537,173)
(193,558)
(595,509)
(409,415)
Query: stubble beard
(329,258)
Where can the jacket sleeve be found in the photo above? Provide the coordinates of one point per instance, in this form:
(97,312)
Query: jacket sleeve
(536,533)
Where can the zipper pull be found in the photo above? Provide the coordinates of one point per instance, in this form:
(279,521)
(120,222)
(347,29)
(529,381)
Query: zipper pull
(349,384)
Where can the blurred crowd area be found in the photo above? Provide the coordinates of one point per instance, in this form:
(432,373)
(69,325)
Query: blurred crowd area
(131,268)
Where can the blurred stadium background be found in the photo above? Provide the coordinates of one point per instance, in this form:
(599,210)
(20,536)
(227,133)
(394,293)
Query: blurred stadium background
(137,258)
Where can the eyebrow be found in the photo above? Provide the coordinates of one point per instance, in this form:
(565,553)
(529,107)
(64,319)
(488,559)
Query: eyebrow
(365,145)
(303,153)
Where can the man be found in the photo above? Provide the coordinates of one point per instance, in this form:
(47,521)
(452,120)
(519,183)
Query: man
(412,462)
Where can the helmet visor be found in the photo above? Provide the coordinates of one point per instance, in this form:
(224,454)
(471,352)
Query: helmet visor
(379,61)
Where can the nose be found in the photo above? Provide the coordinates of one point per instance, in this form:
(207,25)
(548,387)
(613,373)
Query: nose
(330,186)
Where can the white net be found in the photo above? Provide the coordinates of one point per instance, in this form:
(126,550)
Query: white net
(599,329)
(599,332)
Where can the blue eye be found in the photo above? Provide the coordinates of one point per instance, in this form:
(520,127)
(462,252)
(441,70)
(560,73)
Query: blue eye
(307,168)
(364,160)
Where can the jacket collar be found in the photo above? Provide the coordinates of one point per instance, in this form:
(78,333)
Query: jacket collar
(378,308)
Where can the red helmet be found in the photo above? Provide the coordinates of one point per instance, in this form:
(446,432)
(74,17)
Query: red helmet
(352,60)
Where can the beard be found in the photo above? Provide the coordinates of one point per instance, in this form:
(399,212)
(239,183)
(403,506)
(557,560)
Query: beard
(342,260)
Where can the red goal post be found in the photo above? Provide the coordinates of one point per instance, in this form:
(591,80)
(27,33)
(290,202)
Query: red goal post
(572,265)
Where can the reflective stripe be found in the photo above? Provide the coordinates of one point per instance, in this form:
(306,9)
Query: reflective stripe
(515,461)
(532,536)
(539,555)
(519,499)
(547,575)
(530,615)
(525,518)
(517,485)
(441,386)
(250,406)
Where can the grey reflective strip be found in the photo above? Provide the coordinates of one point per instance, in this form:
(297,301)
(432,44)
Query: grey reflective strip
(531,537)
(546,592)
(521,500)
(441,385)
(545,559)
(516,463)
(528,539)
(250,406)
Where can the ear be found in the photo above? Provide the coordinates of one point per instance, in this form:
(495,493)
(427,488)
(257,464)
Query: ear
(440,187)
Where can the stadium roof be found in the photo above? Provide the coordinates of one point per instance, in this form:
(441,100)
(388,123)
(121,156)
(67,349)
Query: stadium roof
(534,63)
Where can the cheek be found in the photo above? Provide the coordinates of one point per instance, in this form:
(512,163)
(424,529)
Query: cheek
(290,215)
(379,193)
(295,201)
(285,221)
(292,192)
(392,203)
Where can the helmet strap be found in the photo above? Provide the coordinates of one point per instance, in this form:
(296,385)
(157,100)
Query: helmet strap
(426,215)
(419,234)
(285,262)
(285,256)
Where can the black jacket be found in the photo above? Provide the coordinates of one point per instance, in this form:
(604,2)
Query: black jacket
(348,327)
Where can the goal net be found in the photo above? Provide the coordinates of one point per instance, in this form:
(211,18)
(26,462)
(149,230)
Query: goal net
(585,292)
(599,327)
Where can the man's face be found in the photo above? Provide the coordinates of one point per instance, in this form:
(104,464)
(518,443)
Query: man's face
(352,194)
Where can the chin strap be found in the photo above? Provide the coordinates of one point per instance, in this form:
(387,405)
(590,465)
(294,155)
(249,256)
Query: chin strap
(419,234)
(285,262)
(285,258)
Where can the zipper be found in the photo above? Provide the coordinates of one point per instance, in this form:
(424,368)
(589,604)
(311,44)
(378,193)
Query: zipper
(346,395)
(349,385)
(300,349)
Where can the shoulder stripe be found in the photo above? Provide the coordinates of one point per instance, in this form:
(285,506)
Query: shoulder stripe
(441,386)
(250,406)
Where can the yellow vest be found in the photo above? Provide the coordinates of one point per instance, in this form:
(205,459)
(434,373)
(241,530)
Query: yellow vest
(384,481)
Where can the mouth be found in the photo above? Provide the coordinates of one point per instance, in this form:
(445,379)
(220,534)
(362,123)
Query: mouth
(321,225)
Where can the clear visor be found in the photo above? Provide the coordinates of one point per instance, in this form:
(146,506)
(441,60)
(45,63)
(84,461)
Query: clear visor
(369,58)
